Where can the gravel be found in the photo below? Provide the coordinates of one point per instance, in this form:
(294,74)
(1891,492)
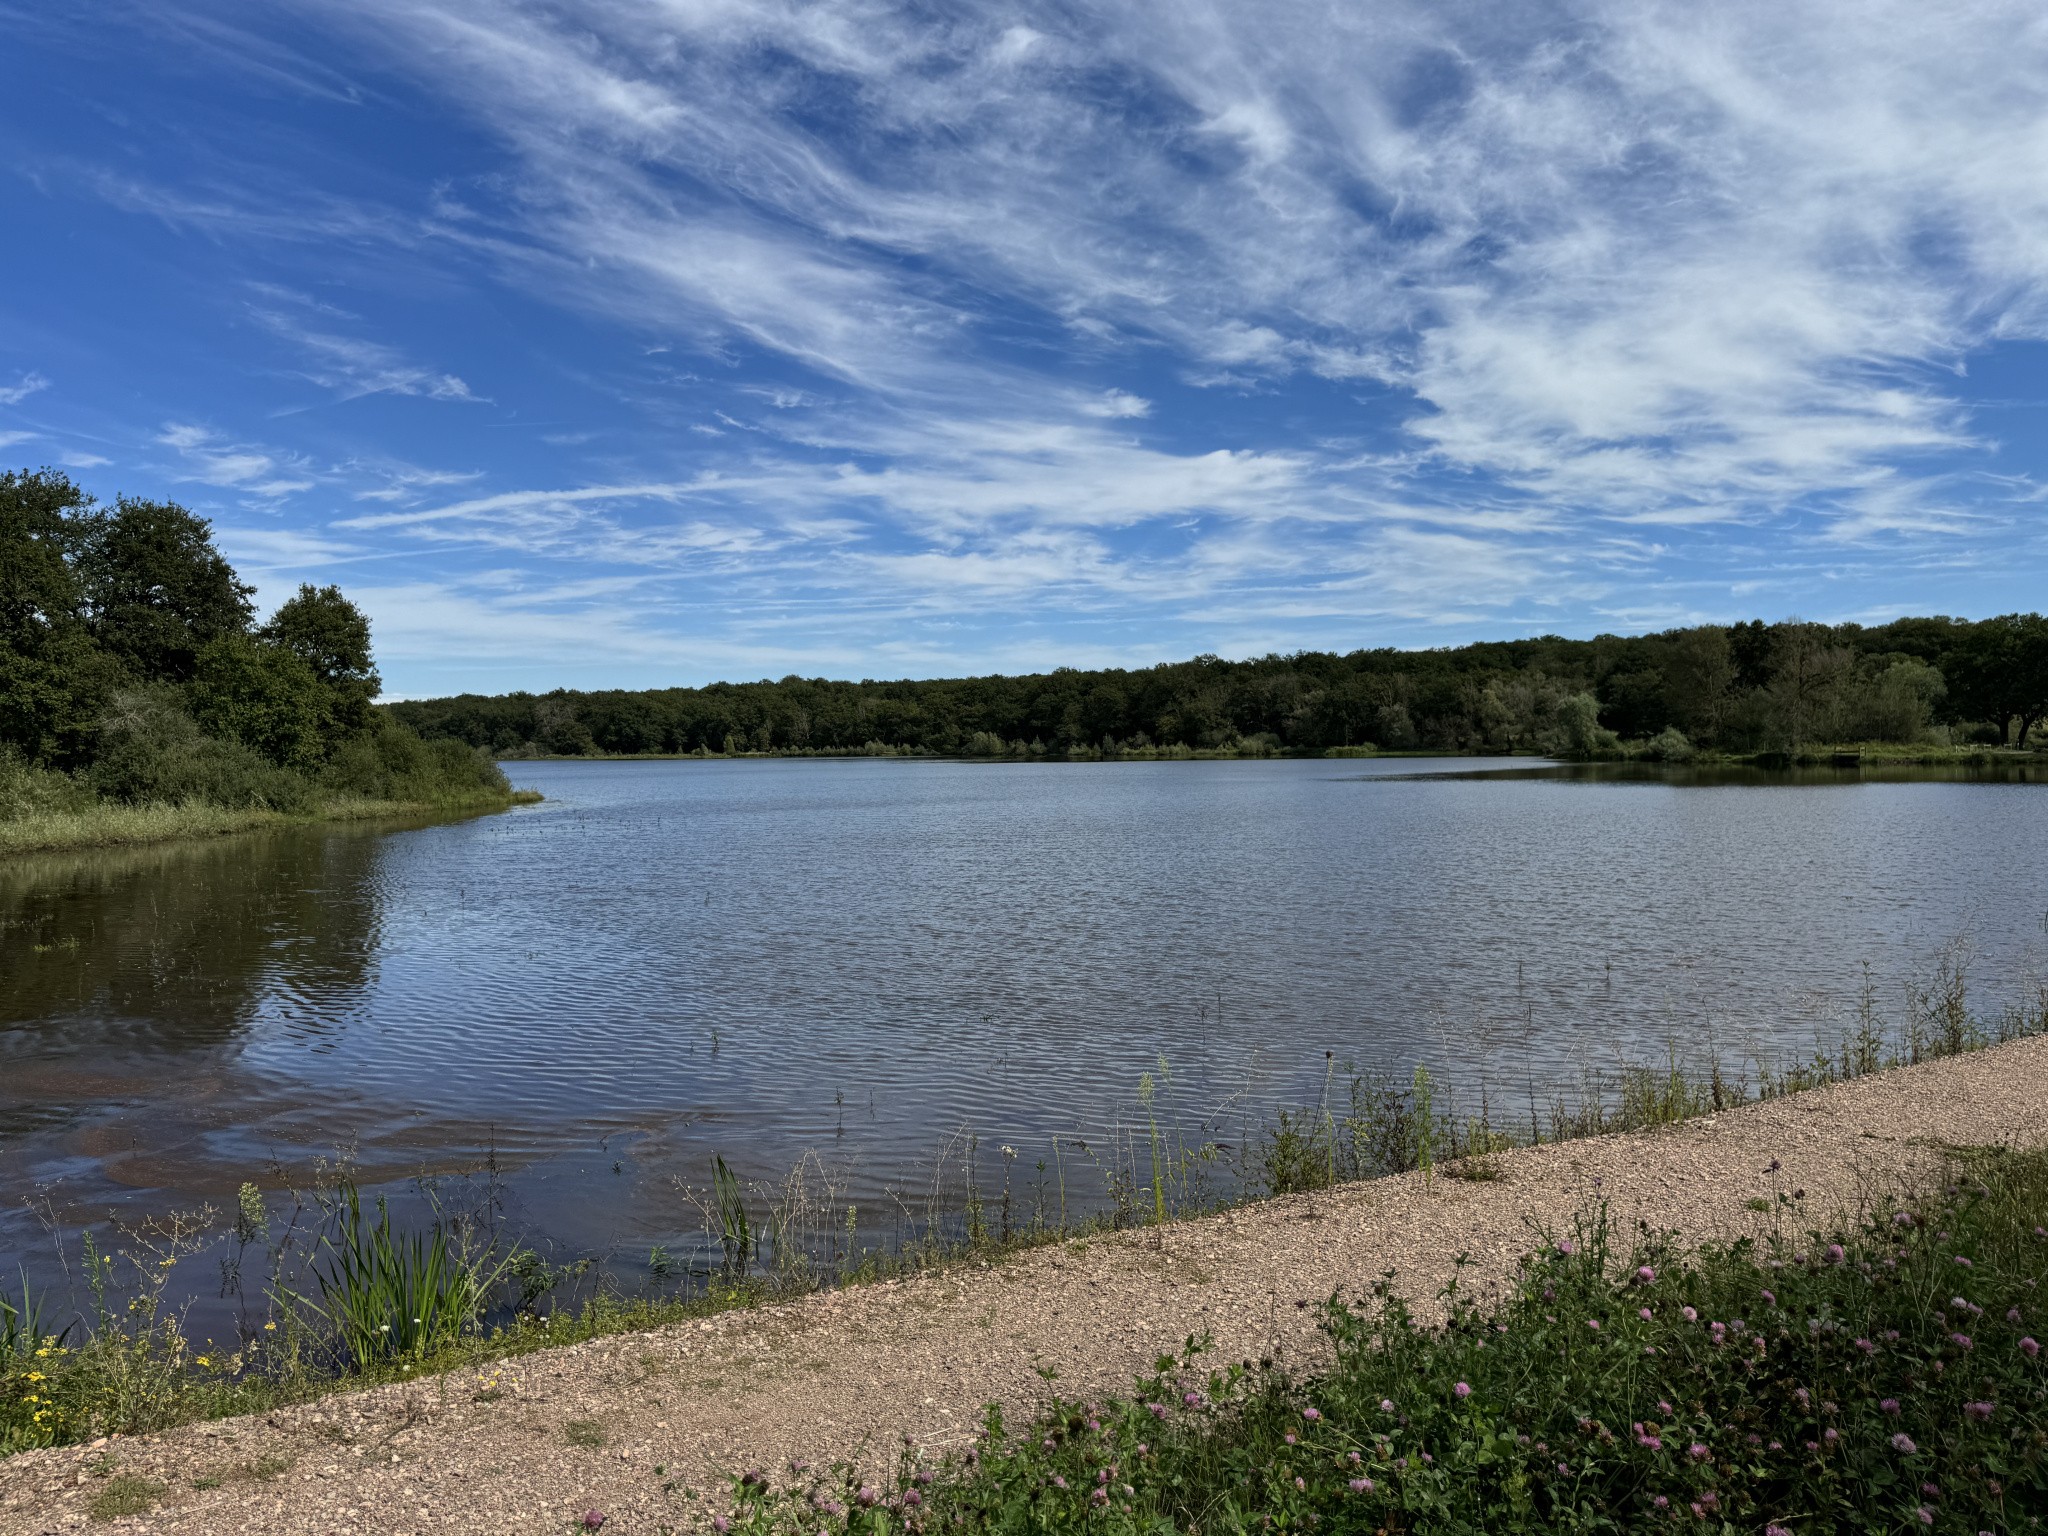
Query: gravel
(843,1374)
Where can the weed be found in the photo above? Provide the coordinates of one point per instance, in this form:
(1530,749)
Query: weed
(125,1494)
(587,1433)
(1878,1378)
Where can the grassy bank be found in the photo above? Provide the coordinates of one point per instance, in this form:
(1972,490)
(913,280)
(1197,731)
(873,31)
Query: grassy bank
(1878,1377)
(109,824)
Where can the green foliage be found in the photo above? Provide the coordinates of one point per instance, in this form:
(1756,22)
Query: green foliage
(390,762)
(389,1295)
(1745,688)
(262,696)
(1885,1380)
(156,590)
(26,790)
(152,751)
(132,684)
(330,635)
(735,1235)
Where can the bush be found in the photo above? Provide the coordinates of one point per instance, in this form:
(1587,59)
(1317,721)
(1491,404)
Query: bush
(26,790)
(394,764)
(1668,746)
(151,750)
(1888,1380)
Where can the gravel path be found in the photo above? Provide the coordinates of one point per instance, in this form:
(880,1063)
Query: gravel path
(843,1374)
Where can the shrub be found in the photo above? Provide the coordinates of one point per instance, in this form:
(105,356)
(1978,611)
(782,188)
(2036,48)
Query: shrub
(26,790)
(150,749)
(394,764)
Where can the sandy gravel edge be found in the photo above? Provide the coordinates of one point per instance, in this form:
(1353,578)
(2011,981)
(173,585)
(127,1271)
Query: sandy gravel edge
(843,1374)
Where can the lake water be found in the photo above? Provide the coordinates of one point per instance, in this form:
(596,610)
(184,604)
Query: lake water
(860,958)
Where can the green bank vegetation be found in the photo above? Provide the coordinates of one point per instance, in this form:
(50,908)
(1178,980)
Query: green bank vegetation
(334,1294)
(140,699)
(1922,687)
(1880,1377)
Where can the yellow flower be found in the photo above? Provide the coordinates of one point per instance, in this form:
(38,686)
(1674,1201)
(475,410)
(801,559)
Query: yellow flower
(202,1359)
(270,1327)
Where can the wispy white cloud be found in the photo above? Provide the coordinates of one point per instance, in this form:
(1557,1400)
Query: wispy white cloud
(30,383)
(211,459)
(353,367)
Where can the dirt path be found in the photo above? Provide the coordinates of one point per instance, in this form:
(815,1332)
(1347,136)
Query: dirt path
(844,1374)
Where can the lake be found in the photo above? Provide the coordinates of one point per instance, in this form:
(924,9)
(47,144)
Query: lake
(862,958)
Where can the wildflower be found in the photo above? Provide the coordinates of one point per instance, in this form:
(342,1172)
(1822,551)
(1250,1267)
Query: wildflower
(1866,1346)
(1058,1481)
(1192,1399)
(2029,1347)
(1645,1275)
(1593,1323)
(1563,1470)
(1643,1313)
(1981,1412)
(2012,1315)
(1689,1314)
(1960,1340)
(1387,1404)
(912,1498)
(1770,1298)
(1361,1485)
(1926,1515)
(1301,1485)
(1663,1407)
(1157,1410)
(867,1497)
(1697,1451)
(1289,1438)
(1098,1496)
(1903,1444)
(1804,1397)
(1836,1253)
(270,1327)
(1310,1414)
(1777,1530)
(594,1519)
(1565,1247)
(1965,1263)
(1903,1219)
(718,1523)
(1660,1502)
(1461,1389)
(1889,1405)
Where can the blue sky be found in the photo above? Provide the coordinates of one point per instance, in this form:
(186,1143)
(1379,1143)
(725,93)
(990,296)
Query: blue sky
(641,341)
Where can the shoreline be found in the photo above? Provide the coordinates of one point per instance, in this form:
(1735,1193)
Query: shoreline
(1846,757)
(841,1373)
(120,826)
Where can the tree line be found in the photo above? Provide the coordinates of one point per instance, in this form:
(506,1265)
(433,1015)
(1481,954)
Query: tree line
(1754,687)
(133,668)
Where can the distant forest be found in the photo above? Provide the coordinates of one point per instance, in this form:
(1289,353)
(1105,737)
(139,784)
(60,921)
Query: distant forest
(1748,688)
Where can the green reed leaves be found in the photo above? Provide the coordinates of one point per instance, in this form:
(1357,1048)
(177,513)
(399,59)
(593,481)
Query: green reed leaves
(389,1294)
